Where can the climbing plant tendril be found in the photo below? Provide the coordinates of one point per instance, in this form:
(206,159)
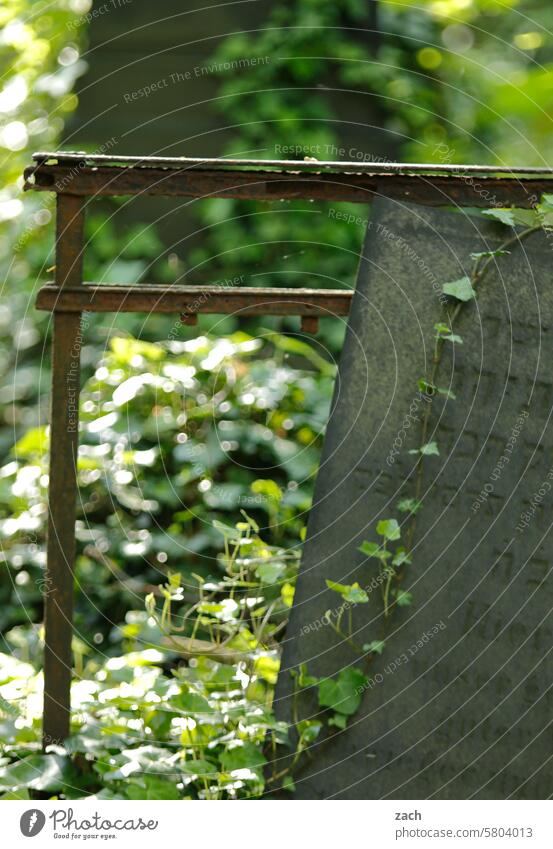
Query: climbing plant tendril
(392,557)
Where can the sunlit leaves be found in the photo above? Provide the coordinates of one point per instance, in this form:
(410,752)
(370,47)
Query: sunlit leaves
(403,598)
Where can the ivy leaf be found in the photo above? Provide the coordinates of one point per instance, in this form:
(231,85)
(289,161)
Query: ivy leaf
(389,529)
(377,646)
(373,549)
(461,289)
(287,594)
(352,592)
(198,767)
(243,756)
(547,200)
(409,505)
(302,676)
(46,773)
(427,450)
(339,720)
(343,694)
(545,209)
(403,598)
(192,703)
(504,215)
(269,573)
(425,386)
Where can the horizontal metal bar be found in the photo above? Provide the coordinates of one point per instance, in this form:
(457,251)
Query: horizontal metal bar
(272,185)
(311,165)
(192,300)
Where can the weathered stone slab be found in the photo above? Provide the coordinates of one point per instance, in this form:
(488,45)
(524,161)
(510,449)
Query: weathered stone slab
(460,703)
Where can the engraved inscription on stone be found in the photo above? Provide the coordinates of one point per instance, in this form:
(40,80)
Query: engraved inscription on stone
(470,714)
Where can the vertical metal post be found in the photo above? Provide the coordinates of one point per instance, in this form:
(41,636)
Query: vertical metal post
(62,493)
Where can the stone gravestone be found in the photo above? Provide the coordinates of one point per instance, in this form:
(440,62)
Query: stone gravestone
(459,704)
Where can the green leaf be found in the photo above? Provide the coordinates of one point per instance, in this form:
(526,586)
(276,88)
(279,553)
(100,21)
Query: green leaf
(243,756)
(13,795)
(343,694)
(401,557)
(288,784)
(287,594)
(430,389)
(309,730)
(547,199)
(197,767)
(303,677)
(339,720)
(426,387)
(427,450)
(403,598)
(192,703)
(461,289)
(267,668)
(444,332)
(352,592)
(374,549)
(269,573)
(33,444)
(482,254)
(504,215)
(154,788)
(267,488)
(47,773)
(376,647)
(545,208)
(296,346)
(389,529)
(231,533)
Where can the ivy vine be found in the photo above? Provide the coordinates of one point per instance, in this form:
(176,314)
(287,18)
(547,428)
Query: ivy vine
(393,551)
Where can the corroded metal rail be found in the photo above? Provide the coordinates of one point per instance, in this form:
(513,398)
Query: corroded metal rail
(254,179)
(79,177)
